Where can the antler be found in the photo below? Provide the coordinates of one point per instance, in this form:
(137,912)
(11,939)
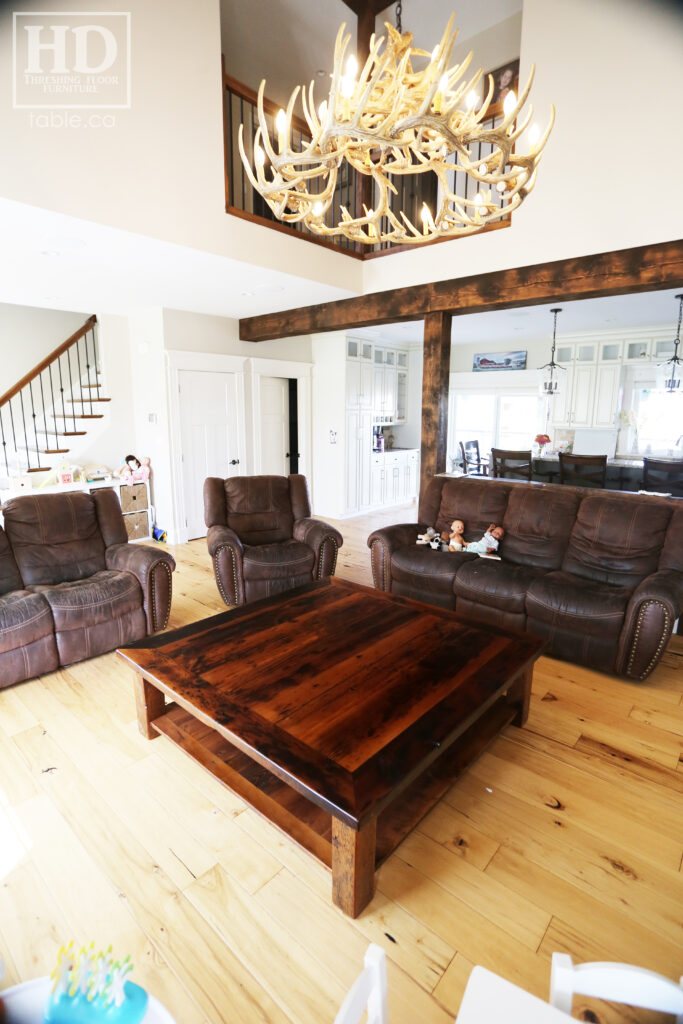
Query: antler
(392,120)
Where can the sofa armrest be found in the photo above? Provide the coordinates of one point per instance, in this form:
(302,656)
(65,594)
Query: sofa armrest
(227,553)
(152,567)
(650,616)
(383,543)
(325,542)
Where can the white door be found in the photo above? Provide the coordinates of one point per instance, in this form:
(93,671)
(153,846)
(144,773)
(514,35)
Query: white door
(209,437)
(352,465)
(274,426)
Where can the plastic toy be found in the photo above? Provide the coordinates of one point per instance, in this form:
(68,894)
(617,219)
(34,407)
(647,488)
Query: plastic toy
(90,987)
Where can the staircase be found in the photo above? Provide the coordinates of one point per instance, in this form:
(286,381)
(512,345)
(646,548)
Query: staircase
(51,404)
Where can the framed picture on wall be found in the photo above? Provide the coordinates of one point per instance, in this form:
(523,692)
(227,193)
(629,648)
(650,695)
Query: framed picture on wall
(499,361)
(505,78)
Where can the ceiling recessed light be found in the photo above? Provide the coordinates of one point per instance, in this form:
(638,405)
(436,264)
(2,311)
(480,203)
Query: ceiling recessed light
(321,72)
(247,293)
(50,252)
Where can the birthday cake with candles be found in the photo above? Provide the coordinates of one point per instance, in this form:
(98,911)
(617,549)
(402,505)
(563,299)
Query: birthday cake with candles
(90,987)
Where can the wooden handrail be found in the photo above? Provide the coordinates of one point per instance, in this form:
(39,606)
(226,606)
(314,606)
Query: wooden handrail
(245,93)
(43,365)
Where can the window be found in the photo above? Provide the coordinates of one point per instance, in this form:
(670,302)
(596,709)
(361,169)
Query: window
(508,420)
(659,422)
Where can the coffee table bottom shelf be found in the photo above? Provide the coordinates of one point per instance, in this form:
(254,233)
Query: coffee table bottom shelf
(303,821)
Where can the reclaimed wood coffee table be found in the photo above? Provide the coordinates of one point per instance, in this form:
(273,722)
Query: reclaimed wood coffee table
(339,712)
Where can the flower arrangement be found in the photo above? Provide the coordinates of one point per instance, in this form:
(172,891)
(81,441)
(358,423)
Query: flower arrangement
(541,440)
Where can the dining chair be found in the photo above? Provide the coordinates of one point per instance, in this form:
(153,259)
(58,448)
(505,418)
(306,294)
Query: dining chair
(664,476)
(583,470)
(368,994)
(472,462)
(511,464)
(621,983)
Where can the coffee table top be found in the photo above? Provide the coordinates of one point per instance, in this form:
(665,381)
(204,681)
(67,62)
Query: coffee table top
(344,692)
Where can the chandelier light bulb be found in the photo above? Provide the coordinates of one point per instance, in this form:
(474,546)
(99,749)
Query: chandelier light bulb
(534,135)
(402,120)
(259,156)
(317,209)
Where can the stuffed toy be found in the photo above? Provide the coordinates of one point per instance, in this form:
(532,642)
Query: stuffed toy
(427,536)
(134,470)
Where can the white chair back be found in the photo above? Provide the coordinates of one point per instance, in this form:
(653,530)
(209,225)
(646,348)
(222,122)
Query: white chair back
(621,983)
(368,992)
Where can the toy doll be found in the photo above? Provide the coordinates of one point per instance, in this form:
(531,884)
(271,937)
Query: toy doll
(134,470)
(488,544)
(454,540)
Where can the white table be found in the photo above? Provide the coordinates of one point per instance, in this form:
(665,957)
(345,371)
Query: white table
(491,999)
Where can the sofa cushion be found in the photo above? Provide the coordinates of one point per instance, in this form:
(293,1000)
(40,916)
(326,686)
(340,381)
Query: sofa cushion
(421,567)
(477,502)
(24,618)
(278,561)
(105,596)
(672,552)
(54,537)
(574,602)
(538,522)
(9,571)
(617,539)
(259,508)
(502,585)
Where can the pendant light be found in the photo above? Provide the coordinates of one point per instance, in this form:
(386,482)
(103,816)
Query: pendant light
(552,376)
(669,372)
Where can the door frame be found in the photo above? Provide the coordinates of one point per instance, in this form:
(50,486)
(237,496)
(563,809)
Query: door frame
(289,369)
(204,362)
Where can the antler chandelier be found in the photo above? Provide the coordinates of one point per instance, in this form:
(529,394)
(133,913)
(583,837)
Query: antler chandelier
(392,120)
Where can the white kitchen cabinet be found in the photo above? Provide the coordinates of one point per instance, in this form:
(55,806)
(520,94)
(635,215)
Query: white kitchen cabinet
(412,475)
(607,393)
(401,395)
(394,463)
(377,479)
(561,404)
(389,392)
(359,385)
(583,395)
(358,454)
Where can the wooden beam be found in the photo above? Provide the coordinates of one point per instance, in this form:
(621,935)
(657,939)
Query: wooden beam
(643,269)
(435,373)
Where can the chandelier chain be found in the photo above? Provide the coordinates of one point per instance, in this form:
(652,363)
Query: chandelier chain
(399,12)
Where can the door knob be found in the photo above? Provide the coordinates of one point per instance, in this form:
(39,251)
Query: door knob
(234,462)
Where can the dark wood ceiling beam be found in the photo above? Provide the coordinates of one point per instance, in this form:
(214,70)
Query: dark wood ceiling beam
(643,269)
(435,378)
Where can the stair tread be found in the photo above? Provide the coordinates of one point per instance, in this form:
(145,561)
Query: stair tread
(86,416)
(86,401)
(39,469)
(63,433)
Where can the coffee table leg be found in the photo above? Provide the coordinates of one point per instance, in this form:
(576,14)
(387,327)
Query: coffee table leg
(520,693)
(150,704)
(353,865)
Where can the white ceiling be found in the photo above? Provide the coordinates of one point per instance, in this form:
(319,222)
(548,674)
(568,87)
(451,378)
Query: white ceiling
(534,323)
(427,19)
(51,260)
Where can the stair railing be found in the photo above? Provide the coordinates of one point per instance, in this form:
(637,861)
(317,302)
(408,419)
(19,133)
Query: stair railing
(47,403)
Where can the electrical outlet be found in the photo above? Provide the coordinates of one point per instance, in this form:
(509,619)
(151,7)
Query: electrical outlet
(333,437)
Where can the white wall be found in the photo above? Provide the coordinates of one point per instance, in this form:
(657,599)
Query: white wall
(614,71)
(329,414)
(28,334)
(197,332)
(159,171)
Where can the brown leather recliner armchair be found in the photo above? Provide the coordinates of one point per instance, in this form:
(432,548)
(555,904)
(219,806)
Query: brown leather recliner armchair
(261,537)
(71,586)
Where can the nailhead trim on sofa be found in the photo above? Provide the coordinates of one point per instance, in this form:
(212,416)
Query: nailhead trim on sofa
(662,641)
(155,626)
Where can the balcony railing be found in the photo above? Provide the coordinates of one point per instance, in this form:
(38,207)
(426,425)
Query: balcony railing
(240,107)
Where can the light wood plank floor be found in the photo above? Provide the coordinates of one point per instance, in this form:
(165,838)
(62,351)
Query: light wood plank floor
(566,835)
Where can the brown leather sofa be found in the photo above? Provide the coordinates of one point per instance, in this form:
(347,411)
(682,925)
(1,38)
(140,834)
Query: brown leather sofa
(71,586)
(261,537)
(598,573)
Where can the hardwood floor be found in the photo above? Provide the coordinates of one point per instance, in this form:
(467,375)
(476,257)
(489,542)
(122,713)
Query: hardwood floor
(565,835)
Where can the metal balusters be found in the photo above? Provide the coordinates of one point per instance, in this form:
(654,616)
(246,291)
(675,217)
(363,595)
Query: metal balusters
(52,404)
(33,417)
(71,387)
(42,400)
(61,391)
(96,357)
(4,442)
(87,366)
(23,418)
